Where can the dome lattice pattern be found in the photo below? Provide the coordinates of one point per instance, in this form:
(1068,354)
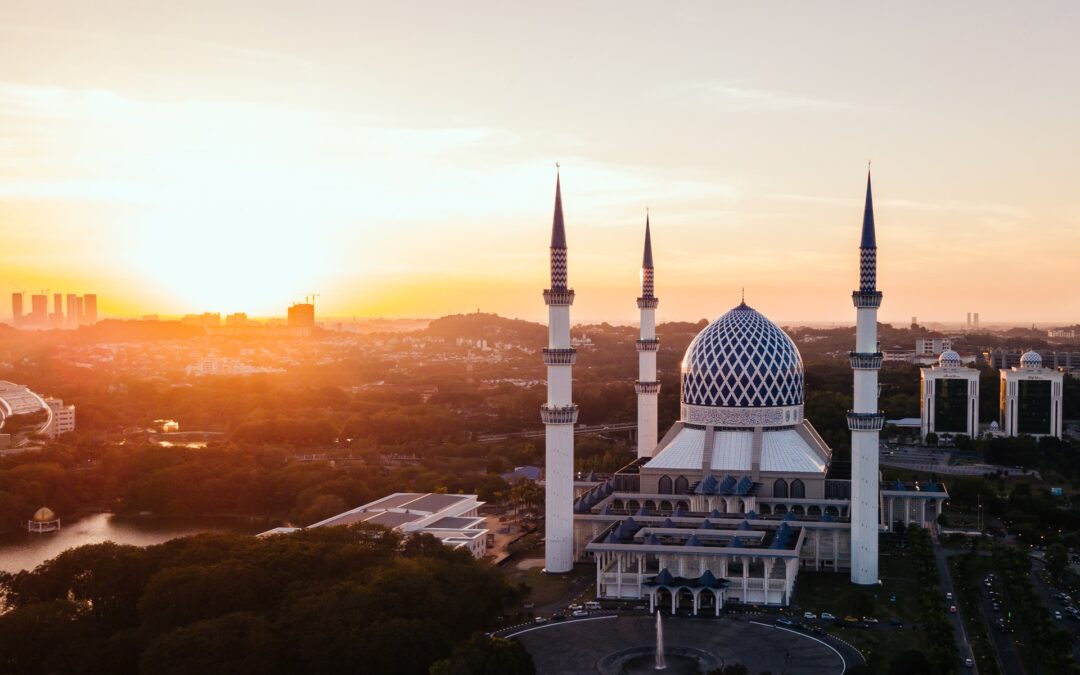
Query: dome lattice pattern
(1031,359)
(950,359)
(742,360)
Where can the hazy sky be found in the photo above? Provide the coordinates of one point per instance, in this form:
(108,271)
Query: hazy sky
(398,157)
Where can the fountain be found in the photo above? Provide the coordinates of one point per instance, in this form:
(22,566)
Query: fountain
(660,665)
(676,660)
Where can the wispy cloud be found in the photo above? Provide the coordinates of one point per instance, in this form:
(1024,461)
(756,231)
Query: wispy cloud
(737,96)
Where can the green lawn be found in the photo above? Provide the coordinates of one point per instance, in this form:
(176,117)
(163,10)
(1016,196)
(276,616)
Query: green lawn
(829,592)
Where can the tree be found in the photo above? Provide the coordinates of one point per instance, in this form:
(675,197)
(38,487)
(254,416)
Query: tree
(483,655)
(910,662)
(1057,559)
(233,644)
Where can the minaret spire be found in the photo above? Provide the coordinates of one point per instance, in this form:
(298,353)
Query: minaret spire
(865,419)
(647,386)
(559,413)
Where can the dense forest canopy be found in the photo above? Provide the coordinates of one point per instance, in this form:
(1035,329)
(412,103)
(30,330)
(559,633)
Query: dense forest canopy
(333,600)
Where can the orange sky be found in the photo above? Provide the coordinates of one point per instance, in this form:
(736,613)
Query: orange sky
(400,161)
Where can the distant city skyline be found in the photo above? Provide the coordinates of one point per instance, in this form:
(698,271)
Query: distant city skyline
(184,159)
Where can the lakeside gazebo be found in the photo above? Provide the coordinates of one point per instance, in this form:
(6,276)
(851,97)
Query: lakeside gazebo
(44,520)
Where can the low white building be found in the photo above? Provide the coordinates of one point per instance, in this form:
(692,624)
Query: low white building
(949,397)
(932,346)
(1031,398)
(63,418)
(453,519)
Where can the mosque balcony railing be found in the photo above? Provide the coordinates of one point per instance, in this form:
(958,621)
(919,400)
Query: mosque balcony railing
(648,345)
(648,302)
(559,414)
(864,299)
(646,387)
(560,357)
(859,421)
(559,296)
(867,361)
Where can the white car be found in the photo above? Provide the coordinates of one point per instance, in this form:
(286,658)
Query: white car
(575,607)
(541,619)
(825,616)
(580,612)
(809,615)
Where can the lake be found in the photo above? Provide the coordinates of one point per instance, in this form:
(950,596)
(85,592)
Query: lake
(23,550)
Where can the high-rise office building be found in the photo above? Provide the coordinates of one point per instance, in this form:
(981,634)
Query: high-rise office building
(1031,398)
(949,401)
(16,309)
(302,315)
(89,309)
(39,310)
(79,309)
(72,311)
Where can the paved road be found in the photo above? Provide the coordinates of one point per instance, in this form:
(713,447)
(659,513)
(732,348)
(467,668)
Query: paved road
(1052,605)
(963,646)
(1004,645)
(538,433)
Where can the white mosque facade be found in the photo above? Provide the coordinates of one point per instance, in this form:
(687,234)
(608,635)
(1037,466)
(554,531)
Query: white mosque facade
(741,493)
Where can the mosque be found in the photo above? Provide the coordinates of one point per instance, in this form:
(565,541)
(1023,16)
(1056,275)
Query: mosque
(741,493)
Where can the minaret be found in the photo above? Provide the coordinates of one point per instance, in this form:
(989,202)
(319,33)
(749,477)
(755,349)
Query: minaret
(559,413)
(647,387)
(865,420)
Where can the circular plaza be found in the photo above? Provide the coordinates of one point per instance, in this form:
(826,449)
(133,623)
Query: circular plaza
(589,646)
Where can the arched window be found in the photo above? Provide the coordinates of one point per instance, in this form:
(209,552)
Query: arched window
(665,507)
(779,510)
(764,509)
(813,511)
(664,486)
(779,488)
(682,486)
(797,509)
(831,511)
(798,490)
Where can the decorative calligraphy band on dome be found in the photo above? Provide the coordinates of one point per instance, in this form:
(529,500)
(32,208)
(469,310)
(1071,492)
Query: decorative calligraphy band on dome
(560,357)
(559,414)
(865,421)
(558,296)
(648,303)
(863,361)
(646,387)
(648,345)
(866,299)
(742,418)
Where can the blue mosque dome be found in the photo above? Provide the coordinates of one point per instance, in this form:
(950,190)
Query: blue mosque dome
(1030,359)
(950,359)
(742,360)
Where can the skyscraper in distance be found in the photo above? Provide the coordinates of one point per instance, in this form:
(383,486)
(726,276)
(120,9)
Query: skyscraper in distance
(90,309)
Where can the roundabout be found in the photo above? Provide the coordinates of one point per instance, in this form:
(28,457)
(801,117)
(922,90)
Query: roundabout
(627,644)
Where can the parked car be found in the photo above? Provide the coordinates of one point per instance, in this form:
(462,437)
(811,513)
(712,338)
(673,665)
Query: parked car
(592,604)
(948,596)
(825,616)
(809,615)
(869,619)
(558,616)
(968,663)
(574,607)
(580,613)
(784,621)
(541,619)
(952,609)
(1057,615)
